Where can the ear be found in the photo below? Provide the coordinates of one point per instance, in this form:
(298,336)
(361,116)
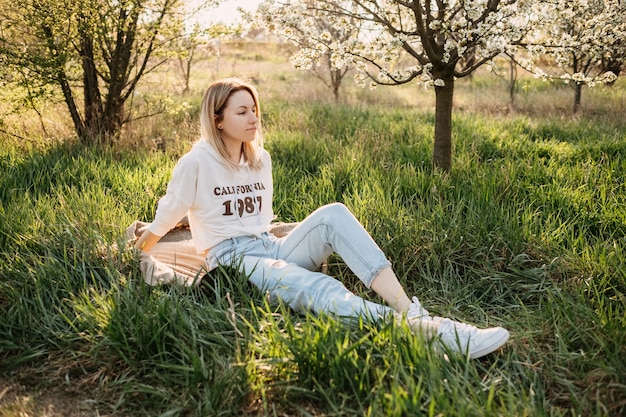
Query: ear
(218,123)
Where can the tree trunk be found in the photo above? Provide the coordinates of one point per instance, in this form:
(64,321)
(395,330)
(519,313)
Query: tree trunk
(79,126)
(188,74)
(578,91)
(335,82)
(442,153)
(91,90)
(61,78)
(512,83)
(113,115)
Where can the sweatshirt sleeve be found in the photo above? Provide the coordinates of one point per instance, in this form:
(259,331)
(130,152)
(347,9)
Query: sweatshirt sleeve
(179,197)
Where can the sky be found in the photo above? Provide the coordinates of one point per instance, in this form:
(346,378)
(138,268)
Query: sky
(227,12)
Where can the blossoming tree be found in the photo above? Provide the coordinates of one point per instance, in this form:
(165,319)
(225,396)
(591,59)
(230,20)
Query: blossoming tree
(313,35)
(585,38)
(432,42)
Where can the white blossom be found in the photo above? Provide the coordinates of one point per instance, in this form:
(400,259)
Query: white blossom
(461,33)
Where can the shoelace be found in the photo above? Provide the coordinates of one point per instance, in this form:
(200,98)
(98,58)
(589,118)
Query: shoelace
(452,328)
(416,310)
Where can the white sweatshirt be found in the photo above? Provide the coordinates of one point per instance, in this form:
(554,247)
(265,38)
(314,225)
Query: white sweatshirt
(221,202)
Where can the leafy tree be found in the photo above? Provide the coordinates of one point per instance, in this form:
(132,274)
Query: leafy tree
(429,41)
(92,52)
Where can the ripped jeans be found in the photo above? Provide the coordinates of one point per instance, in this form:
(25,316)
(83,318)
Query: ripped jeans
(286,267)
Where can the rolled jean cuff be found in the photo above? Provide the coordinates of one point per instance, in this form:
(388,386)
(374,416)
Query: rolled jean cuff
(374,273)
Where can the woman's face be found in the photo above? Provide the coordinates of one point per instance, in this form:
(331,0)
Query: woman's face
(239,119)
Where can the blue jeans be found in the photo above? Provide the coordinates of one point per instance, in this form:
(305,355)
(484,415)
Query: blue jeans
(287,267)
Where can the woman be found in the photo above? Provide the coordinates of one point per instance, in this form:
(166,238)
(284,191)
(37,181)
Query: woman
(224,186)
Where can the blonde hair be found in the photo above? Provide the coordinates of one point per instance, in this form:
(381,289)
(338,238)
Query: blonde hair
(214,101)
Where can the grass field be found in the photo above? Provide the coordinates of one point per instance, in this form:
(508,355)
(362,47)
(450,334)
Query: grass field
(526,231)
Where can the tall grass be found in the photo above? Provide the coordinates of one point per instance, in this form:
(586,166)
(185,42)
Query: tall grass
(526,231)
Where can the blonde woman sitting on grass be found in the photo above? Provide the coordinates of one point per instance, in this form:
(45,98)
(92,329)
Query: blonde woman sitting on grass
(224,186)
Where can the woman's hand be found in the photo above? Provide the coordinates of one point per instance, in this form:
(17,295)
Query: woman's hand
(146,241)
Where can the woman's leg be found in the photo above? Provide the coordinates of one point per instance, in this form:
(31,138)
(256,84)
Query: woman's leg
(305,290)
(302,288)
(333,228)
(386,285)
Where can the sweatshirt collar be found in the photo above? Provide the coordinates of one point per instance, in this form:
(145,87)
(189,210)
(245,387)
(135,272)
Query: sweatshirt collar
(204,145)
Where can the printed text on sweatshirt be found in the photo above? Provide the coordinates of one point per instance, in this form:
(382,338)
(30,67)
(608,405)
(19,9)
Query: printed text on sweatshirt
(221,202)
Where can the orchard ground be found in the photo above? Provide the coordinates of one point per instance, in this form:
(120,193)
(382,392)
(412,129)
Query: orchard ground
(527,231)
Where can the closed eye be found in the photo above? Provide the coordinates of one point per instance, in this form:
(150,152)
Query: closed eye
(244,111)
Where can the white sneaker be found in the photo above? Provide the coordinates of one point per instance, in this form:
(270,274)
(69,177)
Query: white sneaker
(468,339)
(457,336)
(419,320)
(416,310)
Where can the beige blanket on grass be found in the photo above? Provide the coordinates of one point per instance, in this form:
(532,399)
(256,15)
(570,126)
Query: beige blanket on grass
(173,260)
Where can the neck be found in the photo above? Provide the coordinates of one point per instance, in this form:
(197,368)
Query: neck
(235,153)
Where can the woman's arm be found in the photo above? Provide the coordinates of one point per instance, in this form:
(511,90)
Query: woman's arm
(147,240)
(175,204)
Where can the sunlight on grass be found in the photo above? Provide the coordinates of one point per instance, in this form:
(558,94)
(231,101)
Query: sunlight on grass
(526,231)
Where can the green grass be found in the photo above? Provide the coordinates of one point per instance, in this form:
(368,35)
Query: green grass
(526,231)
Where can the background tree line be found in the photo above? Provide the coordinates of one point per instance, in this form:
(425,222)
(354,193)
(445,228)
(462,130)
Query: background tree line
(93,53)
